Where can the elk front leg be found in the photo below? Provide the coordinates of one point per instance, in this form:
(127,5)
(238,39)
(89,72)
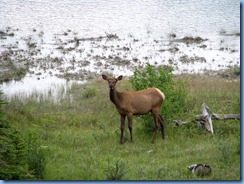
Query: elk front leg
(122,128)
(130,119)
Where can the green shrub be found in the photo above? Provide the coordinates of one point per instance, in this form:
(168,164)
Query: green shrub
(13,164)
(175,92)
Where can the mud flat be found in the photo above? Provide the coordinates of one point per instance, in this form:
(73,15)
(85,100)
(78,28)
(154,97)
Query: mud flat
(70,57)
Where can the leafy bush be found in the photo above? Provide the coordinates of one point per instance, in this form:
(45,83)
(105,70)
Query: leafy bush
(162,78)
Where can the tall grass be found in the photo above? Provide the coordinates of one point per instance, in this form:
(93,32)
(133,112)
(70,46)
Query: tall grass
(81,135)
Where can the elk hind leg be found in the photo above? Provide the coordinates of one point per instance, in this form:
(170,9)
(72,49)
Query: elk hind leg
(155,116)
(122,128)
(161,121)
(130,118)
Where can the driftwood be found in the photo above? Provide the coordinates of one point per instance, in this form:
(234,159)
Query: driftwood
(205,119)
(220,117)
(207,116)
(206,113)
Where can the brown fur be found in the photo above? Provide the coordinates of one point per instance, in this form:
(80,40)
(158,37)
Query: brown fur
(136,103)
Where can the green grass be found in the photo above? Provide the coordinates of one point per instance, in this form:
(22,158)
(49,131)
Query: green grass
(80,135)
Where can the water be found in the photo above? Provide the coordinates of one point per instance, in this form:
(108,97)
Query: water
(202,18)
(143,28)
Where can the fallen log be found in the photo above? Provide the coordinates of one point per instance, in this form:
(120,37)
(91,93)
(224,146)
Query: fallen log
(219,117)
(207,116)
(205,119)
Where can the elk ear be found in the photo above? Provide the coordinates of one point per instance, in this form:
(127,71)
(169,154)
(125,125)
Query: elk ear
(104,77)
(119,77)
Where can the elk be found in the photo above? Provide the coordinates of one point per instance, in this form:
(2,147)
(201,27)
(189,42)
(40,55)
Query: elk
(136,103)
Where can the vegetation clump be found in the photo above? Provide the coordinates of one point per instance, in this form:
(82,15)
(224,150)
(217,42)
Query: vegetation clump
(190,40)
(10,70)
(186,59)
(230,73)
(116,170)
(90,92)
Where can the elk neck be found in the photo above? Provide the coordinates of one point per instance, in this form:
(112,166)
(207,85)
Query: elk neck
(113,96)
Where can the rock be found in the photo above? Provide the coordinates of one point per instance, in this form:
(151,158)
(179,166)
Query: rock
(200,169)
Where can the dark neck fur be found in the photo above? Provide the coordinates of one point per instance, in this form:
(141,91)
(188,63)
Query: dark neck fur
(113,96)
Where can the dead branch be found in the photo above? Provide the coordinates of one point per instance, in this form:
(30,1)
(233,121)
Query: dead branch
(220,117)
(207,115)
(179,122)
(205,119)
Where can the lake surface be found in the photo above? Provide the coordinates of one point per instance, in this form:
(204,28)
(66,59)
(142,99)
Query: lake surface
(68,39)
(138,17)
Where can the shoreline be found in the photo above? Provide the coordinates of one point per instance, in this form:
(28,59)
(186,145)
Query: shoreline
(71,57)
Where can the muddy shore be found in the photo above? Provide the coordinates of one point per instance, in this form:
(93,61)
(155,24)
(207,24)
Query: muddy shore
(70,56)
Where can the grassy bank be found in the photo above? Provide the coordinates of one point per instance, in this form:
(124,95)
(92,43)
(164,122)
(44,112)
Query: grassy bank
(80,134)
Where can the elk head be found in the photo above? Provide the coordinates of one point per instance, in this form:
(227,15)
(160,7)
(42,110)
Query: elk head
(112,81)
